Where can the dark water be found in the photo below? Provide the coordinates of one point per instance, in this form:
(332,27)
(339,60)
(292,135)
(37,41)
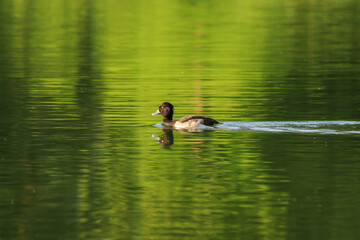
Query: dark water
(81,157)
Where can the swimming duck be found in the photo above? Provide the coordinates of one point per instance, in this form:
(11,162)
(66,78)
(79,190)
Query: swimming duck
(167,110)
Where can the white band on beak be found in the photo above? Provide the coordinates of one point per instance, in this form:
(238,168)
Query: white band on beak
(155,113)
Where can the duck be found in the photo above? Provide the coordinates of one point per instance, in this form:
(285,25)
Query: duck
(167,110)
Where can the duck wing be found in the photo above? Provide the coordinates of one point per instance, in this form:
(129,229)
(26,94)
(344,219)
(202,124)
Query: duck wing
(187,118)
(200,119)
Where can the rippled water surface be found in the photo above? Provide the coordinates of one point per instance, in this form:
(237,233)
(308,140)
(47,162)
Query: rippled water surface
(81,157)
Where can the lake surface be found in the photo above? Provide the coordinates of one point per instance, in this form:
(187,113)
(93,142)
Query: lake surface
(81,157)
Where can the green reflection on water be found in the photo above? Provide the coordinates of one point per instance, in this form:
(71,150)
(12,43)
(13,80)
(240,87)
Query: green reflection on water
(79,80)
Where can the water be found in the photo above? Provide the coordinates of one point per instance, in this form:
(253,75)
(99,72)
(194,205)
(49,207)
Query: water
(81,157)
(316,127)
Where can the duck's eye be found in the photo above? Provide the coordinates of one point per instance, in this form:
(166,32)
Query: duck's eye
(162,107)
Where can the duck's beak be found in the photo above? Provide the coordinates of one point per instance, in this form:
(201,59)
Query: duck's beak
(155,113)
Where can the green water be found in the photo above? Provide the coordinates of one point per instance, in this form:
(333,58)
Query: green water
(81,157)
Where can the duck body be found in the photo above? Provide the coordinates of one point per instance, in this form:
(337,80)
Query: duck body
(167,110)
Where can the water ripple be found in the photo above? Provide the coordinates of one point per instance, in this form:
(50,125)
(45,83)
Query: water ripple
(317,127)
(313,127)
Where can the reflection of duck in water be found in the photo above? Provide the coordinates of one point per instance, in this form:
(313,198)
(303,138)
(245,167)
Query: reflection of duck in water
(167,139)
(167,110)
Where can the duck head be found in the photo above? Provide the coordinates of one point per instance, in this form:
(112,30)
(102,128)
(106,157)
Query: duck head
(166,109)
